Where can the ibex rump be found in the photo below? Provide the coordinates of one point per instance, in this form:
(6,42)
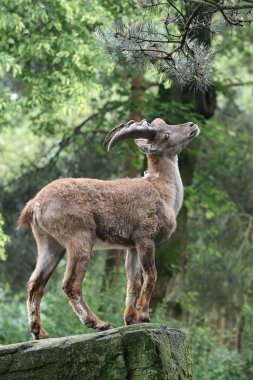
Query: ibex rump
(78,215)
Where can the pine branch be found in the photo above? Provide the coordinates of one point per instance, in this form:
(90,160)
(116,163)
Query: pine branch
(234,7)
(170,45)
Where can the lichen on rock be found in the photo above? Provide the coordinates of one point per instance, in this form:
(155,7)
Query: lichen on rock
(137,352)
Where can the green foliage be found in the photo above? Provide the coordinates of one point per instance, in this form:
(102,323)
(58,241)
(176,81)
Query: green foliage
(47,64)
(212,361)
(216,361)
(4,239)
(247,339)
(13,317)
(58,318)
(20,150)
(214,356)
(220,253)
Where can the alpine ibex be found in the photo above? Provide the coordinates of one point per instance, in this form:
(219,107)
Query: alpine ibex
(77,215)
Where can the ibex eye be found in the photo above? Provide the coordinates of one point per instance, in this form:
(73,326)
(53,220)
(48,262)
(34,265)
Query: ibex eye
(166,136)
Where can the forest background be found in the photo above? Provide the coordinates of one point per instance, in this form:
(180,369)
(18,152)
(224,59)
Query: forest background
(60,94)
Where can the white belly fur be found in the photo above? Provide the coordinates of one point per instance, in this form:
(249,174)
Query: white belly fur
(103,245)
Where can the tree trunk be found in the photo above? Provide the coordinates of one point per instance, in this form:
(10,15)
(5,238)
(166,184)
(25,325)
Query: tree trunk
(172,255)
(136,111)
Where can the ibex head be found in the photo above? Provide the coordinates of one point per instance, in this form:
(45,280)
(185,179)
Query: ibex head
(155,138)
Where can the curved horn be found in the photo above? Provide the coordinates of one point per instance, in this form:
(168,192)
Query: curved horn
(135,130)
(114,130)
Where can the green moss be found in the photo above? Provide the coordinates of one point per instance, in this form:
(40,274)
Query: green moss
(138,352)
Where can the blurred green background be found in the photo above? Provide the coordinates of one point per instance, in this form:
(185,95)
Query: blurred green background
(60,94)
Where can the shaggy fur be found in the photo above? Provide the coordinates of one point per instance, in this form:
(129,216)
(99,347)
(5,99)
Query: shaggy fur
(76,215)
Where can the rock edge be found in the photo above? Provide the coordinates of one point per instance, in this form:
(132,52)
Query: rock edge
(137,352)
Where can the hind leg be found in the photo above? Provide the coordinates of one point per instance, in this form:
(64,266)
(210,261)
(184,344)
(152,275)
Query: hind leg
(133,271)
(49,255)
(78,251)
(146,252)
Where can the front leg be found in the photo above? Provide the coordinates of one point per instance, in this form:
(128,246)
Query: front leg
(146,253)
(133,272)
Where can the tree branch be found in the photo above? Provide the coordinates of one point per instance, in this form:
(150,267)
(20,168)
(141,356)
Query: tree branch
(238,84)
(177,10)
(222,6)
(66,141)
(179,59)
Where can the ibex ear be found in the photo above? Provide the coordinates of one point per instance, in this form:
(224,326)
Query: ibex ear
(145,147)
(140,142)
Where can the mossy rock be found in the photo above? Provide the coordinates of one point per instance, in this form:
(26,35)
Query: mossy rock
(138,352)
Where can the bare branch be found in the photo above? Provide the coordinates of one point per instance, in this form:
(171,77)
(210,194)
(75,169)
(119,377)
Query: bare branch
(66,141)
(177,10)
(239,84)
(187,26)
(224,7)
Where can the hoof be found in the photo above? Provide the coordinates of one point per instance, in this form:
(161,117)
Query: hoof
(143,317)
(130,319)
(39,334)
(130,316)
(99,326)
(104,327)
(143,320)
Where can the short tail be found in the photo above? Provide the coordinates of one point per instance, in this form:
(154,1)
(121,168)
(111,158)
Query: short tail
(26,217)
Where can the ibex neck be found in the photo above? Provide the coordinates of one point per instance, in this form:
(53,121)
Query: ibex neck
(162,166)
(164,174)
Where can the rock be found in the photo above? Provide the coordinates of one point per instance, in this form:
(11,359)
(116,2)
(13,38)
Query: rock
(137,352)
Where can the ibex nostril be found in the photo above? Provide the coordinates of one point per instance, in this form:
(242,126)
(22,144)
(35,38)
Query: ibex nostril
(191,124)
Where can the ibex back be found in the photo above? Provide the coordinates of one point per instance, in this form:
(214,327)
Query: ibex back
(78,215)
